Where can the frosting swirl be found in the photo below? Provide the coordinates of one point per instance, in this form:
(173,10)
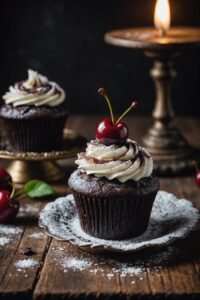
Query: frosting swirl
(37,90)
(127,162)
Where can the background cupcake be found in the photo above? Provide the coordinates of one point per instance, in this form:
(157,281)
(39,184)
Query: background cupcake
(34,114)
(114,188)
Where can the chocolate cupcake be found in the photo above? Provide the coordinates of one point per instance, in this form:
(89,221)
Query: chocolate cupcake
(114,187)
(34,114)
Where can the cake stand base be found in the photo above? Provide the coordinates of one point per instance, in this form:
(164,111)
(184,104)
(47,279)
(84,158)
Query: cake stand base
(171,166)
(23,171)
(171,152)
(25,166)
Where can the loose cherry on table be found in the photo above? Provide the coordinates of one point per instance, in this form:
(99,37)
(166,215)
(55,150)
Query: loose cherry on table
(110,131)
(198,178)
(5,180)
(197,173)
(9,207)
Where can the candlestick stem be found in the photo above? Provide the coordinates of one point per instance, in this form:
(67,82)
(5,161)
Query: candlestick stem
(162,32)
(163,140)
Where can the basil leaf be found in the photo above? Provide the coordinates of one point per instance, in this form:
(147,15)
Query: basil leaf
(38,188)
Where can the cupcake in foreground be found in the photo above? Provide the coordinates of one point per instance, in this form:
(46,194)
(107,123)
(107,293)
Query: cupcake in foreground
(114,188)
(34,114)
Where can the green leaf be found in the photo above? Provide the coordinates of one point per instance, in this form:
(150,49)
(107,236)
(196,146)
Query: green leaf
(38,188)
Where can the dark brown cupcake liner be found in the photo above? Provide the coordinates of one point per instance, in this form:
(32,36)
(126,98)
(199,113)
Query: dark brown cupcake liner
(114,218)
(36,134)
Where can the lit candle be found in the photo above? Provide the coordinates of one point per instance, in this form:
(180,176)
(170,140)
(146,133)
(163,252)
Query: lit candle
(162,16)
(170,150)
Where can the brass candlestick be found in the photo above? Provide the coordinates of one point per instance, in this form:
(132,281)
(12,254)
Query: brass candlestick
(171,152)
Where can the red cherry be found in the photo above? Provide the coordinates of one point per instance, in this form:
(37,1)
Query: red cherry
(9,207)
(111,131)
(5,180)
(4,197)
(2,173)
(198,178)
(108,134)
(195,164)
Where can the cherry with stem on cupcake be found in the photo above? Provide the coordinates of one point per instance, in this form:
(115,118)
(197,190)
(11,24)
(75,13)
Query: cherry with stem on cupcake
(197,173)
(111,131)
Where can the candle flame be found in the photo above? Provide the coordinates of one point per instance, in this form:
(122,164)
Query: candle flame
(162,16)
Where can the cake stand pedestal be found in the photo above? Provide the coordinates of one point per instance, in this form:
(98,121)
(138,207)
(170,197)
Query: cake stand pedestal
(25,166)
(170,150)
(23,171)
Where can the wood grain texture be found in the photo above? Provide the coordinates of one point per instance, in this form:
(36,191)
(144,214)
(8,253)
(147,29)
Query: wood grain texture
(58,281)
(171,272)
(17,281)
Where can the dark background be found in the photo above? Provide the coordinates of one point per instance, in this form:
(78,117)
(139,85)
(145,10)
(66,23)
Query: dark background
(63,39)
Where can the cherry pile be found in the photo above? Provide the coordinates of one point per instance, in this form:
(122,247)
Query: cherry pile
(9,206)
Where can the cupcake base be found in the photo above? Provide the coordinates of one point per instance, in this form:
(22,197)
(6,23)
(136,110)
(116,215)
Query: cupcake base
(110,209)
(34,129)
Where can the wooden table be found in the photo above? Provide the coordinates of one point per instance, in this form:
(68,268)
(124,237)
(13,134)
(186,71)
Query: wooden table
(172,272)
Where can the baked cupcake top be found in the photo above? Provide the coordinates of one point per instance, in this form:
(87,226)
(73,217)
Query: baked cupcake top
(37,90)
(113,155)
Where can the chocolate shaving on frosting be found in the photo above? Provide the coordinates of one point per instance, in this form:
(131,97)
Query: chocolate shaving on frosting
(123,162)
(37,90)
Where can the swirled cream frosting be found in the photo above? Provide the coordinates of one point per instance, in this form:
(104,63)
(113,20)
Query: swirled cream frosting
(123,162)
(37,90)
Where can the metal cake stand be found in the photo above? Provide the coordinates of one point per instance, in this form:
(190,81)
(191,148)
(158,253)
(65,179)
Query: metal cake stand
(42,165)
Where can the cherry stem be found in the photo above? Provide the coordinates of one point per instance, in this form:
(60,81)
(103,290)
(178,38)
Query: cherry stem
(18,194)
(195,165)
(103,93)
(132,106)
(13,192)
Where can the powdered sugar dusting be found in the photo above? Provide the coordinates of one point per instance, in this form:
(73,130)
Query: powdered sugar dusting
(10,230)
(26,264)
(134,266)
(37,235)
(94,264)
(170,219)
(4,240)
(75,264)
(8,233)
(28,209)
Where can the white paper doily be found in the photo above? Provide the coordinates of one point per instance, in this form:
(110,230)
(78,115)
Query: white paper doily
(171,219)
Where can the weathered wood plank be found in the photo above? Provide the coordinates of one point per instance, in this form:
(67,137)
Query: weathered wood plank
(13,233)
(177,277)
(135,283)
(189,190)
(62,277)
(7,249)
(19,281)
